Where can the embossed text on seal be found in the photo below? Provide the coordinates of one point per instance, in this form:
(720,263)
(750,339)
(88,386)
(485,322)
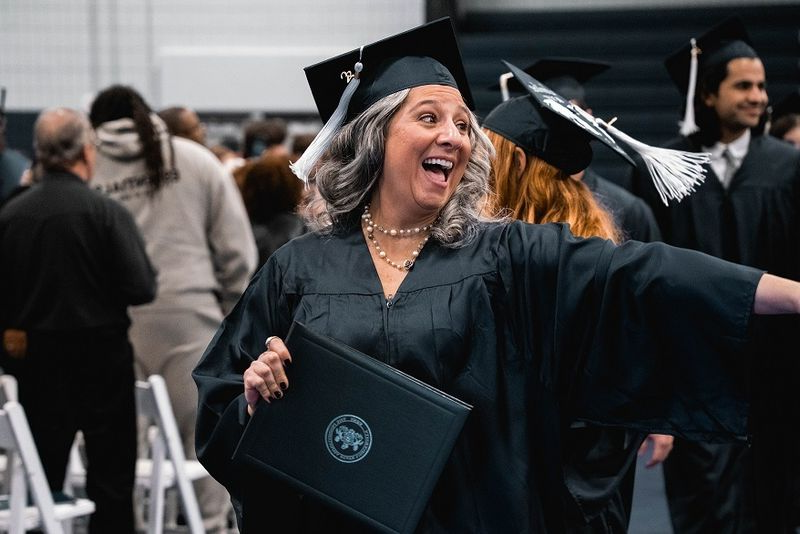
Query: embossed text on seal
(348,438)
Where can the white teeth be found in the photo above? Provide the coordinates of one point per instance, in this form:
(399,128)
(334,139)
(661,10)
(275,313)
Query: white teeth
(443,163)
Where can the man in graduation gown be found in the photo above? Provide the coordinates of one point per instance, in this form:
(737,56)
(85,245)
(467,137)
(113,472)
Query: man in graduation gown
(746,211)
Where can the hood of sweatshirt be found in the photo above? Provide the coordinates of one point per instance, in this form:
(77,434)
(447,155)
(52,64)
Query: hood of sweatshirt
(119,139)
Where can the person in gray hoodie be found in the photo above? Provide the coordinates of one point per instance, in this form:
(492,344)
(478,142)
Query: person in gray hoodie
(199,239)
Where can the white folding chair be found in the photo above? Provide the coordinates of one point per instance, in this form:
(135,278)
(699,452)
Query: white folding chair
(164,468)
(8,389)
(167,465)
(25,472)
(8,392)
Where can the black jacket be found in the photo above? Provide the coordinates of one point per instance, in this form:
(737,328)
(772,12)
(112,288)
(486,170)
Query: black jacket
(70,258)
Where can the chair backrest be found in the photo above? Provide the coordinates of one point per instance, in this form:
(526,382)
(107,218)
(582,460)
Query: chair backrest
(8,389)
(152,401)
(16,439)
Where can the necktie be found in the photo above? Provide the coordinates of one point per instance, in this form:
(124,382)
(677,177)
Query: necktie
(730,168)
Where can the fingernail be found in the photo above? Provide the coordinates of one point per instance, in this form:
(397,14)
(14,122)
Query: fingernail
(283,385)
(279,394)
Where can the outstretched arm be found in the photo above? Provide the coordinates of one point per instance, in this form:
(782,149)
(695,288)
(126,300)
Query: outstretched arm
(776,295)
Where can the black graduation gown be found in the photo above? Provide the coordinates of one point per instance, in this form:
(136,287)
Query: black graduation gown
(533,327)
(601,462)
(755,222)
(599,471)
(271,234)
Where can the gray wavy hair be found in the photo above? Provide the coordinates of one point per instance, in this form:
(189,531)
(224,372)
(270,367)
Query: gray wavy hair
(350,170)
(59,136)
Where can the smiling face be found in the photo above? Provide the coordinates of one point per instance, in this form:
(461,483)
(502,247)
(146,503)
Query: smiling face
(741,98)
(427,150)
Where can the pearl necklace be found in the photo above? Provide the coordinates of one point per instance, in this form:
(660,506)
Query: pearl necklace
(405,265)
(371,226)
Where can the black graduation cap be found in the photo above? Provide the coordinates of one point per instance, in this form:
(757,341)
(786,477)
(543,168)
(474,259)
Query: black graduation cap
(564,75)
(786,105)
(347,84)
(726,41)
(425,55)
(541,133)
(549,126)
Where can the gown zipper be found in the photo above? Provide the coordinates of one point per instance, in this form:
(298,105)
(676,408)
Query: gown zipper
(386,310)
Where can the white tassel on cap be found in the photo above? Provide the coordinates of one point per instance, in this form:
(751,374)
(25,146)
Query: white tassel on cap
(303,167)
(675,173)
(688,125)
(504,85)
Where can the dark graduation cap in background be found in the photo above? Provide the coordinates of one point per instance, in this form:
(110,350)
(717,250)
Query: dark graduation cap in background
(347,84)
(552,125)
(726,41)
(786,105)
(564,75)
(542,133)
(547,125)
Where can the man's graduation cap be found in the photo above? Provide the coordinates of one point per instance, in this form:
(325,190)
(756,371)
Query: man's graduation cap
(551,127)
(564,75)
(726,41)
(346,85)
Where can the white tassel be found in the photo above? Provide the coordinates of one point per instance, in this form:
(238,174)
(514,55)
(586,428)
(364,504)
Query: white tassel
(675,173)
(688,125)
(504,85)
(303,167)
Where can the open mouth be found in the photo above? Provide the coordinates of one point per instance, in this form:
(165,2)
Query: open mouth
(438,166)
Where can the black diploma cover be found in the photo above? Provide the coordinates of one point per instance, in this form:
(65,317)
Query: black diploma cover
(365,438)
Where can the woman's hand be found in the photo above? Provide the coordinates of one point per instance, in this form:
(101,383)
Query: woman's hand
(266,376)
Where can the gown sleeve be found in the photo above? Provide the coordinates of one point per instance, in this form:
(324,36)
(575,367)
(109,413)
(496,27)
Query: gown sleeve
(657,336)
(644,336)
(222,410)
(671,338)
